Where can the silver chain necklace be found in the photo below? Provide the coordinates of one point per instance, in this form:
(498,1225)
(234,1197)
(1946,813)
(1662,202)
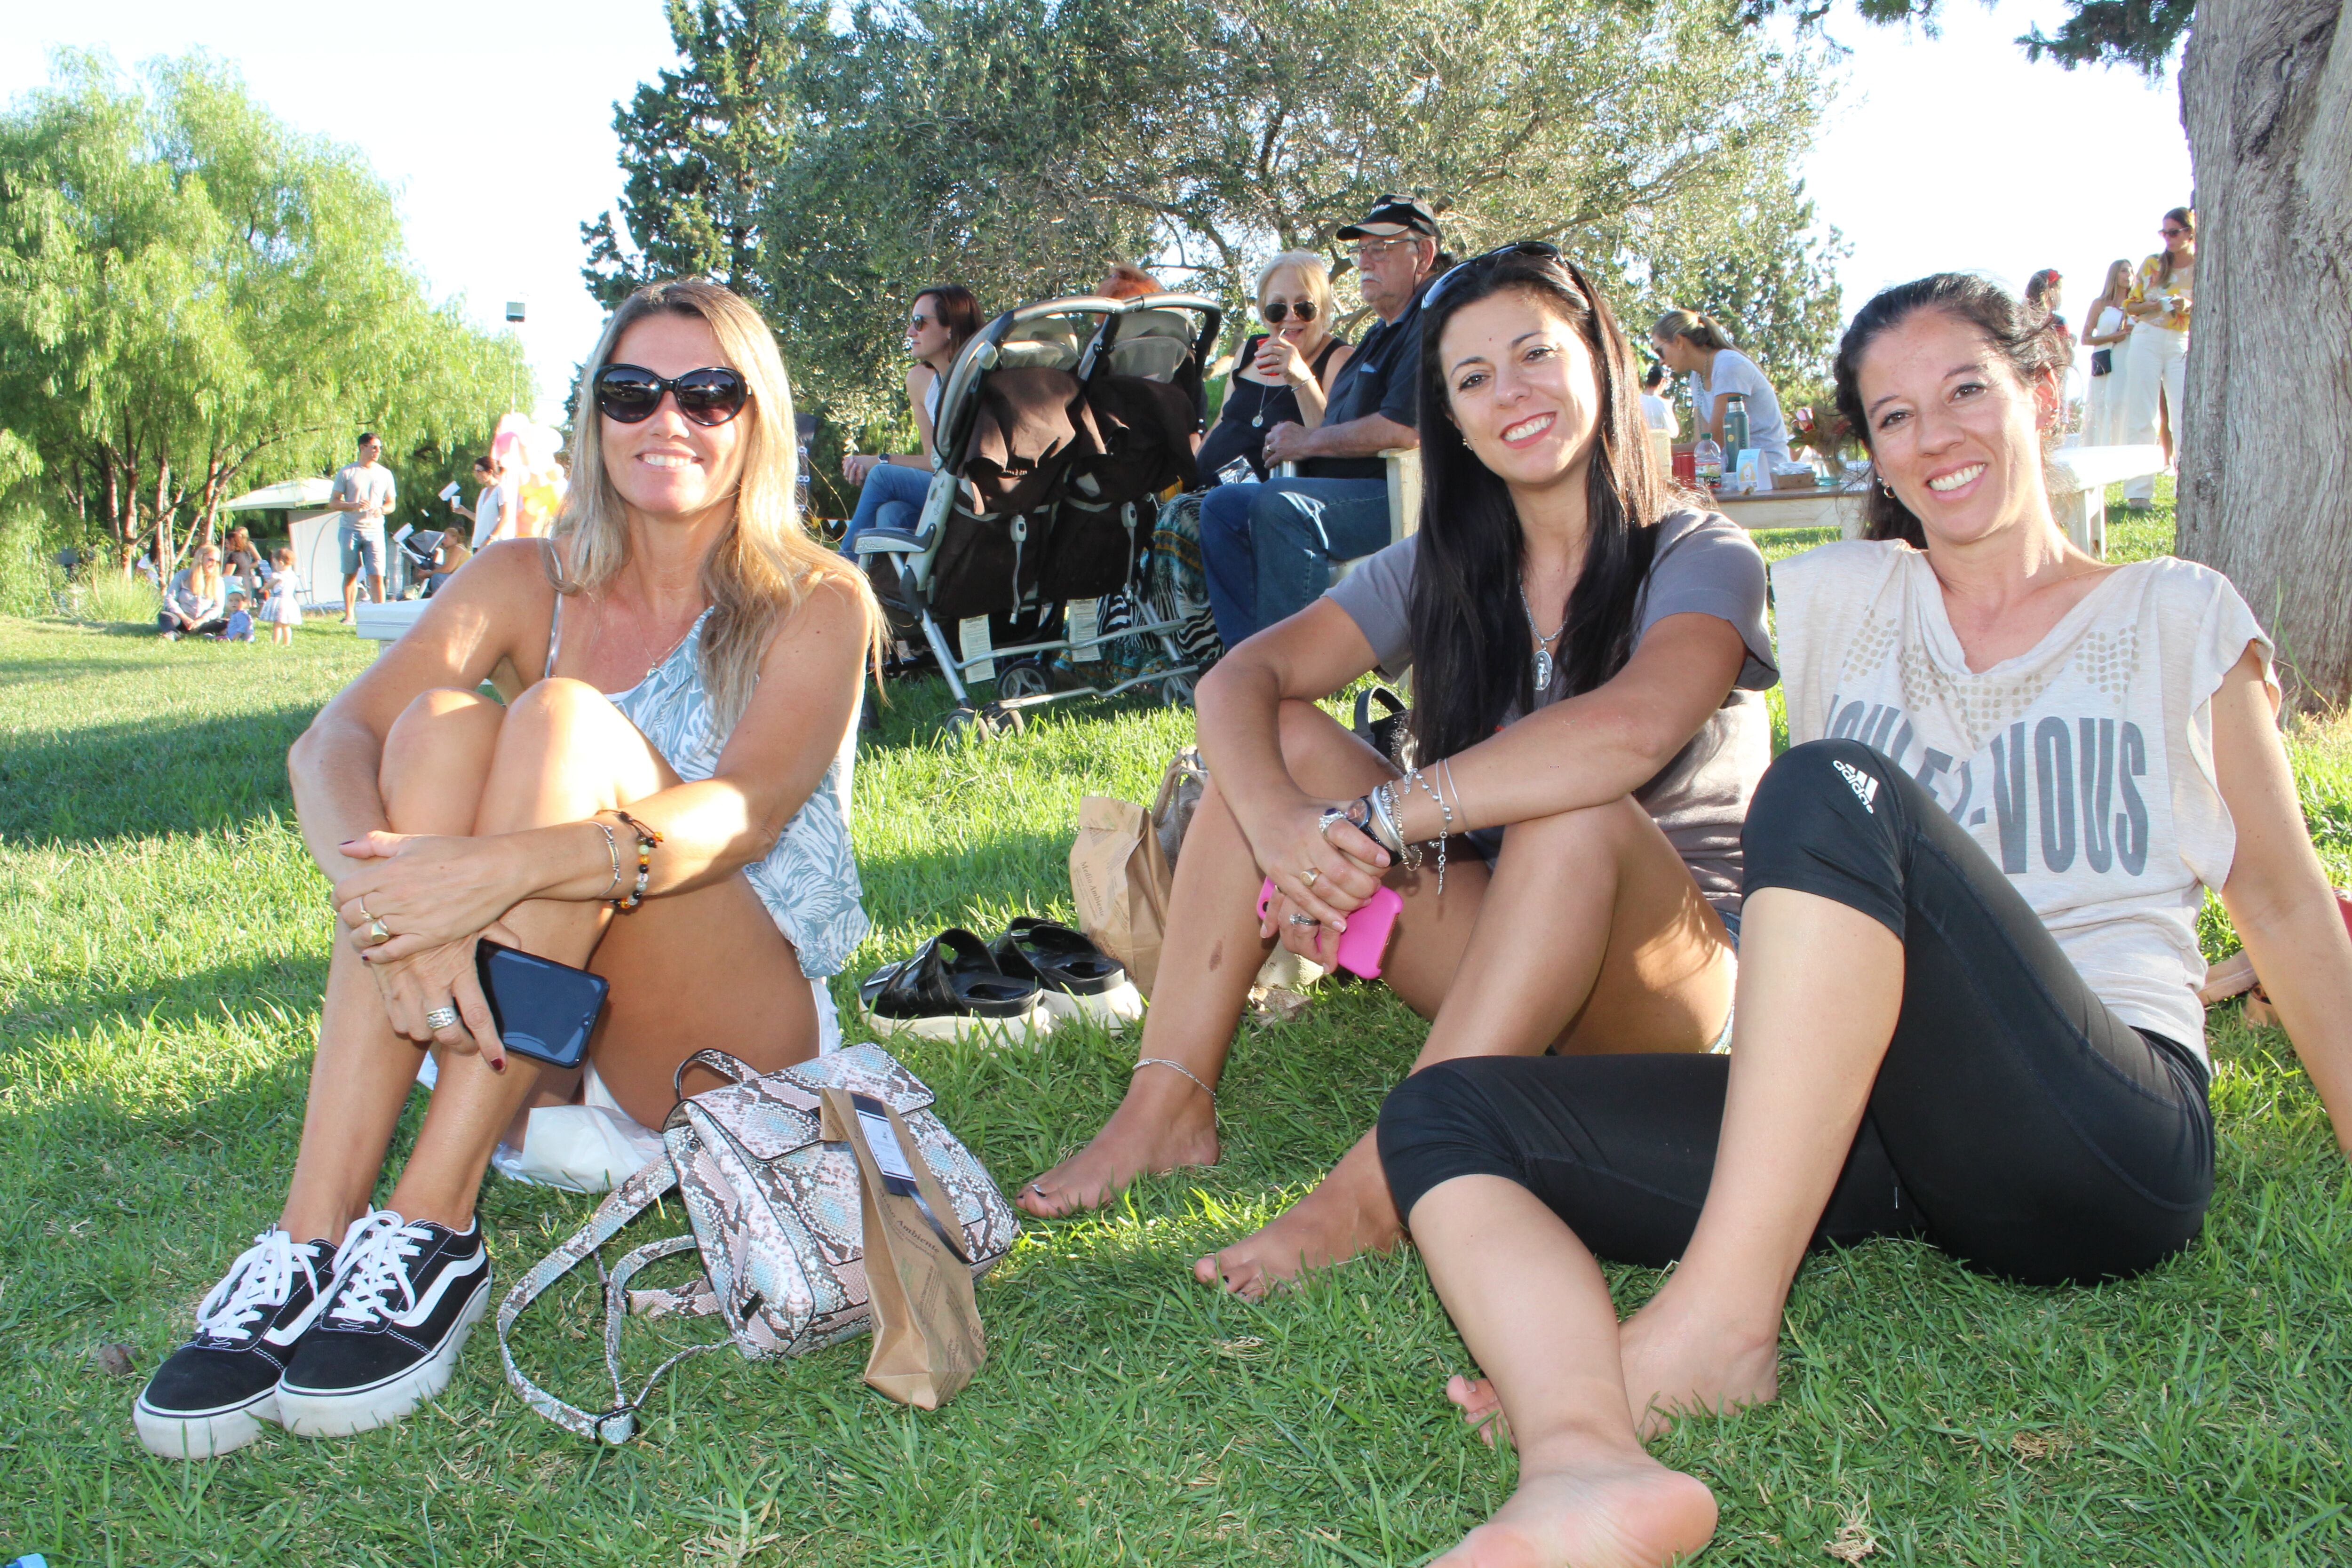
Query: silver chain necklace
(1543,644)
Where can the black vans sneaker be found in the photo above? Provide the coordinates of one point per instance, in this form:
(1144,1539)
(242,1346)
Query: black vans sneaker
(406,1295)
(213,1394)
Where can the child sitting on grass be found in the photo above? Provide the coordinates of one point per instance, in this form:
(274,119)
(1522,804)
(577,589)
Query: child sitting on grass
(240,623)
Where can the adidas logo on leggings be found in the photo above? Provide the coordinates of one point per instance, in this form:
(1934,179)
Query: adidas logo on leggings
(1865,786)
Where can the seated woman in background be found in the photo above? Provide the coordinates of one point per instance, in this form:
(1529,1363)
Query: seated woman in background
(1279,375)
(665,804)
(450,554)
(1968,965)
(1588,654)
(243,563)
(195,600)
(1695,345)
(892,484)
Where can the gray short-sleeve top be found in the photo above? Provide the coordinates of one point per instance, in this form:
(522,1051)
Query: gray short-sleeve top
(1703,564)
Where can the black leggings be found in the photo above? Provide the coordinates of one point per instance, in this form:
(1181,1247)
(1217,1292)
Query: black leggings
(2015,1122)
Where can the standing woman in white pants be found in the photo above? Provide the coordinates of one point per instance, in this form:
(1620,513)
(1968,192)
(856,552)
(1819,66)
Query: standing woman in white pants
(2155,357)
(2105,329)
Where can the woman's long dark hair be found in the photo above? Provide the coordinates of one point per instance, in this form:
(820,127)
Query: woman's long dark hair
(2027,336)
(1471,648)
(958,308)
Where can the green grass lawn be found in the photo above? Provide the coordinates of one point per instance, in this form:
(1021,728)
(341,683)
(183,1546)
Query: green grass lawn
(162,941)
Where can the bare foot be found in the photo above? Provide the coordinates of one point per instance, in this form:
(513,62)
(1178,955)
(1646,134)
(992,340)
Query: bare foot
(1610,1509)
(1675,1362)
(1159,1127)
(1482,1408)
(1349,1213)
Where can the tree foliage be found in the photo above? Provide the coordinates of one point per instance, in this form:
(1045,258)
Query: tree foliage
(194,300)
(1020,145)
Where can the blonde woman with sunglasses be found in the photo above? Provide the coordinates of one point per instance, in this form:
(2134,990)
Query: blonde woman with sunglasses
(663,802)
(1281,374)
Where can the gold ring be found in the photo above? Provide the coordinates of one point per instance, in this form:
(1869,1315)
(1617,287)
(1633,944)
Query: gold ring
(1306,877)
(378,933)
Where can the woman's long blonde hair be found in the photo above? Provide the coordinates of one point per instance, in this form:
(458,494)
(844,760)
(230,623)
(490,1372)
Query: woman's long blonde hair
(204,573)
(766,564)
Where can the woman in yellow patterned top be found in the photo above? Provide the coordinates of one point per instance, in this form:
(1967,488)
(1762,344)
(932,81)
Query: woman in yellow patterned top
(2156,355)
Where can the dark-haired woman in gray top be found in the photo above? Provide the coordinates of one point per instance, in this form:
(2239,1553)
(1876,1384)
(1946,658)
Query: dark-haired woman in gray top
(1587,658)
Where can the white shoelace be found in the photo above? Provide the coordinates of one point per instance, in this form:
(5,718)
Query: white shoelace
(260,1282)
(373,1263)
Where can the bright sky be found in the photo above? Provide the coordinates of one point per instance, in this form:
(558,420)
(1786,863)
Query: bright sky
(1945,152)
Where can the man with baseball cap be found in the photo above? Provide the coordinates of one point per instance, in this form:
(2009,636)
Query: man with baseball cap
(1267,549)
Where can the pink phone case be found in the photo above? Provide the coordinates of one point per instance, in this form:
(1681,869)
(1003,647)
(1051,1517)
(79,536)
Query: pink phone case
(1366,939)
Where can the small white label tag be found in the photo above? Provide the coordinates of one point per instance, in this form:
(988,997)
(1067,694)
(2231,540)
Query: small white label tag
(972,636)
(883,1139)
(1085,616)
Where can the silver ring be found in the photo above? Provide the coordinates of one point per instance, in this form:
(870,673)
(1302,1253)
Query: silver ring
(1306,877)
(1331,814)
(1299,920)
(441,1018)
(362,903)
(378,933)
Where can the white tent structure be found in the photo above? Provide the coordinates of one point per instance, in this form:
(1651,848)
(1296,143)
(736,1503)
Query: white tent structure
(310,527)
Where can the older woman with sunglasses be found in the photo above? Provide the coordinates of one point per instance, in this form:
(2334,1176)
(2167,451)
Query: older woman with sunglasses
(663,802)
(1280,374)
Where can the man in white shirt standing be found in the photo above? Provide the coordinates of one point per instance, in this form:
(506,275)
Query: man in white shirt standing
(363,493)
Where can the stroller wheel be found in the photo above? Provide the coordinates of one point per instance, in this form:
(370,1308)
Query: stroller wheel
(1176,691)
(1003,721)
(964,725)
(1026,678)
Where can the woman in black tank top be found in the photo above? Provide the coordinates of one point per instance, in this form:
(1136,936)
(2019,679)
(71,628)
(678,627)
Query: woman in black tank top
(1279,375)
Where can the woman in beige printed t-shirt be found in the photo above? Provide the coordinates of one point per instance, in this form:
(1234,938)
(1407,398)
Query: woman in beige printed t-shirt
(1967,1002)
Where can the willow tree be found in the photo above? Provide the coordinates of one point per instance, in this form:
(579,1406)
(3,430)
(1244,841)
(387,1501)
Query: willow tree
(195,300)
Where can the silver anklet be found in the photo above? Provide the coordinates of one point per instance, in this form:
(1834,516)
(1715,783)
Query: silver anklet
(1179,1067)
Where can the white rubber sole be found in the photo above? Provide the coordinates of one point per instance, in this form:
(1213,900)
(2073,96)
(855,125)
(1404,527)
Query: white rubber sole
(205,1436)
(1114,1009)
(363,1409)
(1020,1029)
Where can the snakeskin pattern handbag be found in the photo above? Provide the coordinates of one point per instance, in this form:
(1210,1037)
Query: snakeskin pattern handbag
(775,1215)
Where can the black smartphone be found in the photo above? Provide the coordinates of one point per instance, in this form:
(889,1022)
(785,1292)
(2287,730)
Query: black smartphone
(543,1010)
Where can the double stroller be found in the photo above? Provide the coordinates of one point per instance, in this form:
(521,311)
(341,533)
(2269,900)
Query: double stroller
(1060,427)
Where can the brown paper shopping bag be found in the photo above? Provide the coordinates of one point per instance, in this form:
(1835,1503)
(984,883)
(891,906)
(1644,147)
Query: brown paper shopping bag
(928,1342)
(1119,880)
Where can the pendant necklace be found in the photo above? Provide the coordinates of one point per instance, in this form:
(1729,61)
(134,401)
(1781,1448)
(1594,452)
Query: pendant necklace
(1543,644)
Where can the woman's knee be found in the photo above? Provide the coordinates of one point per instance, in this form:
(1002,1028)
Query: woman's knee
(1587,836)
(1439,1124)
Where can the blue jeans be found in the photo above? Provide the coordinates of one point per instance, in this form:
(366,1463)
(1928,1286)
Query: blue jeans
(892,497)
(1267,549)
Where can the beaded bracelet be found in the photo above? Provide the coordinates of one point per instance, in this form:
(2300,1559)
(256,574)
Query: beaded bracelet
(646,839)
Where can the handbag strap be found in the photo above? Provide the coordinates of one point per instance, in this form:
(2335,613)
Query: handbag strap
(618,1424)
(734,1069)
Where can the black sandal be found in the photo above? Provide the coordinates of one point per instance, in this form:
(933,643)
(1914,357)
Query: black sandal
(950,988)
(1078,980)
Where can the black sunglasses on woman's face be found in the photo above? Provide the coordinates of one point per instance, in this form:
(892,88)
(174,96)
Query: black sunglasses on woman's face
(630,394)
(1277,311)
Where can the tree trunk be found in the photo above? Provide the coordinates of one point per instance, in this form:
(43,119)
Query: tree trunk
(165,561)
(2266,459)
